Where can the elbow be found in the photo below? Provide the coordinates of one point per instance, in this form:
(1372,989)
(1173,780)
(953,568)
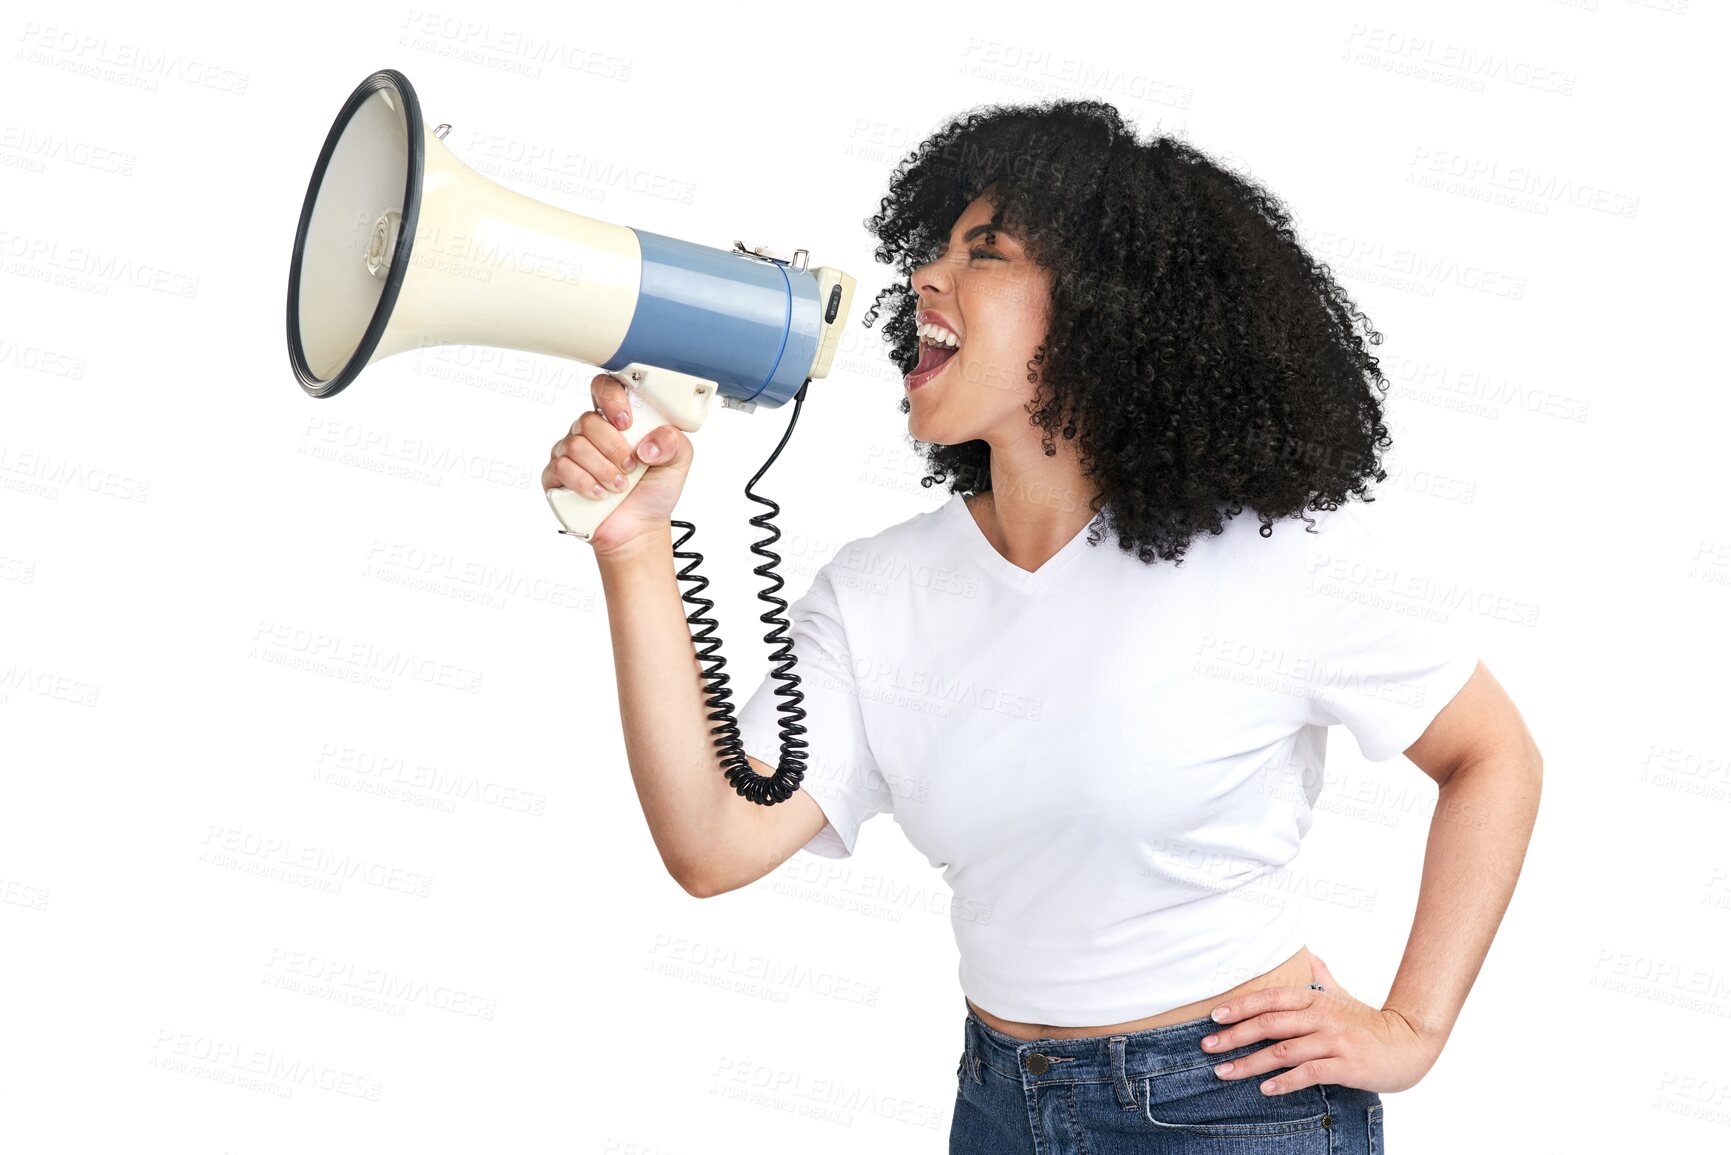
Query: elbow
(1534,762)
(707,885)
(694,883)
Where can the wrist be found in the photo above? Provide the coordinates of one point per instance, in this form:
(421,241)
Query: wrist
(1426,1032)
(646,547)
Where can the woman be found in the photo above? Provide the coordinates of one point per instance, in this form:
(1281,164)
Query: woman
(1111,754)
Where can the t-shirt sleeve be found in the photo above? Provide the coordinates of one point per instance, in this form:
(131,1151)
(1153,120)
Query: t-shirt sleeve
(1382,659)
(841,774)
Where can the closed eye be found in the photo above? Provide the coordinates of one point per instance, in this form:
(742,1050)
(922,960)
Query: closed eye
(985,253)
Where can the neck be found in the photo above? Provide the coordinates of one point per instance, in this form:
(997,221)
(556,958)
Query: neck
(1037,504)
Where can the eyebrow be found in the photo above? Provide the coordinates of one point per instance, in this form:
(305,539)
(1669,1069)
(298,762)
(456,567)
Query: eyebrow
(985,228)
(977,230)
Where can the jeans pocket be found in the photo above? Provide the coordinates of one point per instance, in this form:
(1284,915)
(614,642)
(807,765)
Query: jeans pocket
(1199,1103)
(1373,1124)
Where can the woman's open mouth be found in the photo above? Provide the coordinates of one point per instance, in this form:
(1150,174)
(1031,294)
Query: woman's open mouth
(932,362)
(933,358)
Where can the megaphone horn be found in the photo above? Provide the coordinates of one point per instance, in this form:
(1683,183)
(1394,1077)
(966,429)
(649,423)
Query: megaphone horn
(401,245)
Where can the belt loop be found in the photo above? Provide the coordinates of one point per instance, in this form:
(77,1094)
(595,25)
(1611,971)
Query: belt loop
(1120,1078)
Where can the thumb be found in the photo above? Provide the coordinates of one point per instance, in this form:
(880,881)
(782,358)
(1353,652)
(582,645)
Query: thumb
(665,445)
(1320,973)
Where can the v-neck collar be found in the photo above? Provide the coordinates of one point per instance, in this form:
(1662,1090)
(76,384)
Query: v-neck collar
(994,562)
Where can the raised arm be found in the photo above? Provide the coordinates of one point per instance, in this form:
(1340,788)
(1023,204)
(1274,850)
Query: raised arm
(710,839)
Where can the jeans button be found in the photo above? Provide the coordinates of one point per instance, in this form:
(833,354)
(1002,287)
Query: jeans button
(1036,1063)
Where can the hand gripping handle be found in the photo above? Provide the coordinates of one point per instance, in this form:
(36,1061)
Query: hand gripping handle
(657,397)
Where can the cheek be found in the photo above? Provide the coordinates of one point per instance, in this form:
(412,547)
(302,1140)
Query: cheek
(985,366)
(1016,316)
(1000,361)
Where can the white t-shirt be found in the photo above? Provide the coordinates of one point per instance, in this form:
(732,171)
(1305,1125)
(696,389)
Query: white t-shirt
(1112,762)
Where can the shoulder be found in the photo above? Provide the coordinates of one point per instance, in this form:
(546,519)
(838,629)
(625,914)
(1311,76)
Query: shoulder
(1359,562)
(914,540)
(1341,535)
(1300,533)
(1279,571)
(1242,548)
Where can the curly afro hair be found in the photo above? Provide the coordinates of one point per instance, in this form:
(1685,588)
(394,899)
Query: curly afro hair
(1203,360)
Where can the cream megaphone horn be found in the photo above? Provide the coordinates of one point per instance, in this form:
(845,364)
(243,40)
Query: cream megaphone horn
(401,245)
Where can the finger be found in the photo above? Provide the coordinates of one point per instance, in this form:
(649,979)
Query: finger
(1327,1069)
(590,459)
(575,478)
(1279,1024)
(663,445)
(610,402)
(1280,1053)
(608,440)
(577,428)
(1256,1002)
(592,429)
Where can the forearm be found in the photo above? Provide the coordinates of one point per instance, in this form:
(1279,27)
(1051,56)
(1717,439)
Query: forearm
(674,765)
(1478,840)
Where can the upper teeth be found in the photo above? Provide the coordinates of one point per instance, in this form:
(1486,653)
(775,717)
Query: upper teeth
(938,335)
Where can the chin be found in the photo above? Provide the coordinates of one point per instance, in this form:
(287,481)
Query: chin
(933,437)
(920,425)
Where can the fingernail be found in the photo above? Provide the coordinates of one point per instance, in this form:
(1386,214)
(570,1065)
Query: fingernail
(1223,1068)
(1220,1014)
(618,481)
(630,462)
(622,419)
(598,491)
(648,452)
(1210,1040)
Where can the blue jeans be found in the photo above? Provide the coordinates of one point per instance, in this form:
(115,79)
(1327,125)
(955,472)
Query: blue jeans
(1151,1091)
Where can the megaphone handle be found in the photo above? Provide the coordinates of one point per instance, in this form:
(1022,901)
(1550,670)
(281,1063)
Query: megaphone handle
(581,514)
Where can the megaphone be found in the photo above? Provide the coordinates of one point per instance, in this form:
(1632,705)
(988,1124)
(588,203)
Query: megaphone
(401,245)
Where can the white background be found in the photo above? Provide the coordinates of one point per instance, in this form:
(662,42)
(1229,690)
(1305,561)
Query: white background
(1524,197)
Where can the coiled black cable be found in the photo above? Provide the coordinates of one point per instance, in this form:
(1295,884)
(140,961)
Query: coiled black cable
(745,781)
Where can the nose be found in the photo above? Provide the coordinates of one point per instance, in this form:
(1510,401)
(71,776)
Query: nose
(931,278)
